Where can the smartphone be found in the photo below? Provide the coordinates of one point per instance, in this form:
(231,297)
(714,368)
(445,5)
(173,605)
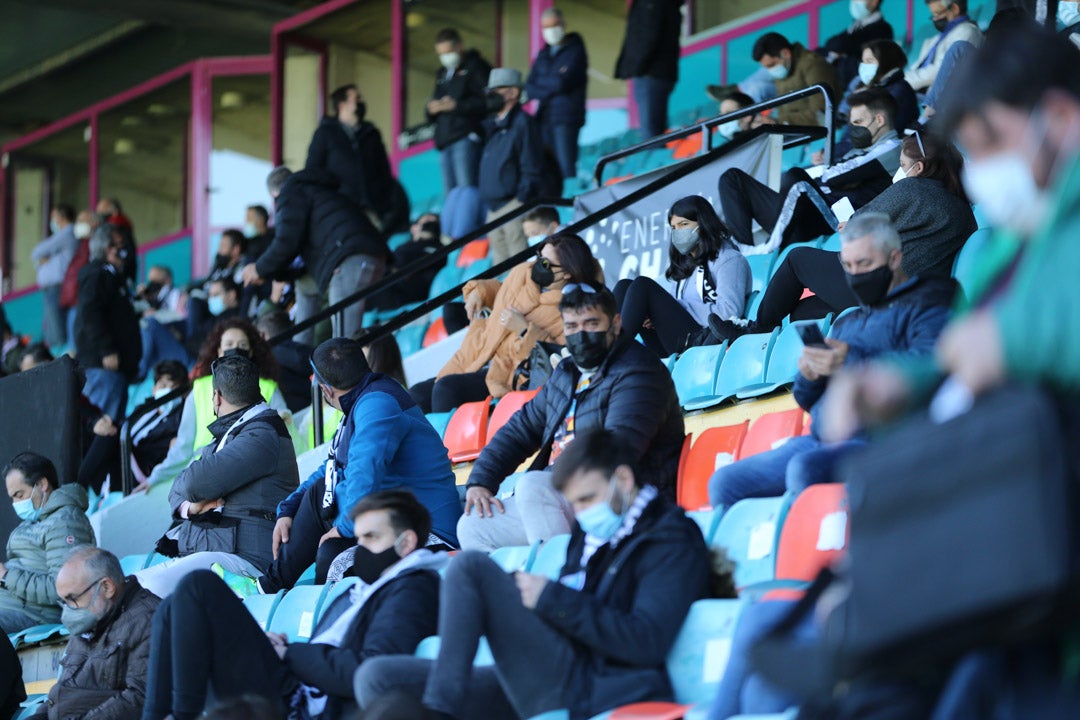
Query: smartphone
(811,336)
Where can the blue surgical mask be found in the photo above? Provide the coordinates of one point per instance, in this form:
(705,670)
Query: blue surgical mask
(215,304)
(778,71)
(729,128)
(600,520)
(1068,13)
(54,227)
(25,508)
(858,9)
(249,230)
(867,71)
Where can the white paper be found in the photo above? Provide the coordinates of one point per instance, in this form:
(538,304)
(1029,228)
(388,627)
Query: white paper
(761,541)
(307,619)
(717,652)
(815,171)
(843,210)
(723,459)
(832,534)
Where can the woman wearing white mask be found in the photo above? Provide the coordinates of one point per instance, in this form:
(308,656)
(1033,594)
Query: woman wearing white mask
(882,65)
(844,49)
(710,276)
(53,524)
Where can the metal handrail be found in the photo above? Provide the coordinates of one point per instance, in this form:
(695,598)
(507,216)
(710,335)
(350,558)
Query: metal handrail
(705,128)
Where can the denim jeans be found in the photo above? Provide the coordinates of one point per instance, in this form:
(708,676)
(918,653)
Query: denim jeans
(537,511)
(562,140)
(12,621)
(158,343)
(759,85)
(651,96)
(55,329)
(462,212)
(107,389)
(460,162)
(953,55)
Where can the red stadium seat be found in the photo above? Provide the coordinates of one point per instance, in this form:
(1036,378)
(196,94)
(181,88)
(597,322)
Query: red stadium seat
(815,532)
(436,331)
(714,448)
(476,250)
(508,404)
(770,431)
(466,433)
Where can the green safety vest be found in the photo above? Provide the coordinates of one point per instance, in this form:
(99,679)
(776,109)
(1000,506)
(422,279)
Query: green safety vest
(202,394)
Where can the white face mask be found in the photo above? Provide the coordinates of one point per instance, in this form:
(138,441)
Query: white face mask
(553,35)
(1005,189)
(867,71)
(729,128)
(1068,13)
(82,229)
(450,60)
(858,9)
(898,175)
(778,71)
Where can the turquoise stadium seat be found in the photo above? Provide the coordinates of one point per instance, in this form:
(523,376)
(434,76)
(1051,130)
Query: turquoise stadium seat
(832,243)
(967,259)
(744,364)
(307,577)
(262,607)
(445,279)
(787,251)
(439,421)
(783,362)
(695,373)
(752,304)
(410,338)
(132,564)
(332,593)
(550,557)
(428,649)
(707,520)
(296,613)
(749,531)
(515,557)
(761,270)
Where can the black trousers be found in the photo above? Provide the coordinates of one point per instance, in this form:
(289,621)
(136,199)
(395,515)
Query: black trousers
(818,270)
(204,640)
(454,317)
(449,391)
(644,299)
(303,547)
(744,199)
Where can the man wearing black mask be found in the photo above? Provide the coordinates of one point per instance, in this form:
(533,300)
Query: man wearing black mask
(897,316)
(610,382)
(198,629)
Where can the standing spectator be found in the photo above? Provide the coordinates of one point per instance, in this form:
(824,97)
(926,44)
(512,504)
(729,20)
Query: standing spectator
(109,212)
(107,341)
(257,230)
(793,68)
(953,25)
(844,49)
(511,168)
(53,255)
(351,148)
(457,107)
(341,249)
(228,262)
(557,81)
(649,58)
(85,224)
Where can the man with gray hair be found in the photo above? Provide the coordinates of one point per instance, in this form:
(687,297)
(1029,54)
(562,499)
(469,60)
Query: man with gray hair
(109,616)
(897,315)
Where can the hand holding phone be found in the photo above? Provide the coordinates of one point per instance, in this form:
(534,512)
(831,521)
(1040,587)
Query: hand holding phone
(811,336)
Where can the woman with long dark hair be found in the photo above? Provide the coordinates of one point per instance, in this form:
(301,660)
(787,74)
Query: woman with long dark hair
(710,276)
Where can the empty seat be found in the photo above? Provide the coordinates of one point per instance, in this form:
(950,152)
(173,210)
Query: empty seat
(476,250)
(771,431)
(760,270)
(713,448)
(466,433)
(333,591)
(132,564)
(262,607)
(744,364)
(748,532)
(550,557)
(435,332)
(448,277)
(508,404)
(439,421)
(783,362)
(296,613)
(695,373)
(815,532)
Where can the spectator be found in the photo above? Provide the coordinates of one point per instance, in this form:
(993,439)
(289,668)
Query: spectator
(85,224)
(897,315)
(794,68)
(107,342)
(246,707)
(511,168)
(385,442)
(350,147)
(710,275)
(293,359)
(53,524)
(557,81)
(228,263)
(237,336)
(506,320)
(801,210)
(341,249)
(424,239)
(181,341)
(595,639)
(389,613)
(223,503)
(928,207)
(109,618)
(649,58)
(733,103)
(539,224)
(52,256)
(457,106)
(108,211)
(257,230)
(845,49)
(154,433)
(160,294)
(882,65)
(953,25)
(384,356)
(11,349)
(609,382)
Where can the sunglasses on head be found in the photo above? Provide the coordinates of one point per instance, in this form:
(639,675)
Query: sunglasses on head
(582,287)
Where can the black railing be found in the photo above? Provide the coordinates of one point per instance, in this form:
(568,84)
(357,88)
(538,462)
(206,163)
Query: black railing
(705,128)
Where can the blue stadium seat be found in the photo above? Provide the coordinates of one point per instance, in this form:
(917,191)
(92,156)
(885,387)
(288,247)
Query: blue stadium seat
(132,564)
(447,277)
(550,557)
(429,650)
(698,659)
(761,270)
(752,304)
(695,373)
(41,633)
(410,338)
(748,532)
(296,613)
(307,577)
(744,364)
(262,607)
(439,421)
(967,259)
(707,520)
(515,557)
(332,593)
(30,706)
(783,362)
(832,243)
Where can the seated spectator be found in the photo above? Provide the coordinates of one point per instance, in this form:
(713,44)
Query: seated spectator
(897,315)
(393,608)
(953,25)
(53,523)
(507,319)
(223,503)
(610,381)
(592,640)
(710,275)
(293,359)
(793,67)
(424,239)
(160,295)
(11,346)
(154,433)
(228,262)
(540,224)
(845,49)
(928,207)
(882,65)
(236,336)
(732,103)
(384,443)
(109,618)
(384,356)
(802,209)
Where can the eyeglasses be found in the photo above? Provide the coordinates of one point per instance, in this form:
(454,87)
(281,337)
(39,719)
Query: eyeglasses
(318,376)
(580,287)
(547,264)
(72,601)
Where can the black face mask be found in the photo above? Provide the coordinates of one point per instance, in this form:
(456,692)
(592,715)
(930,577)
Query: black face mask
(588,348)
(369,566)
(871,287)
(542,275)
(940,24)
(152,290)
(494,102)
(860,136)
(361,111)
(241,352)
(221,261)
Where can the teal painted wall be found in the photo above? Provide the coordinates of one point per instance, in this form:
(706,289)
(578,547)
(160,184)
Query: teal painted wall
(25,314)
(175,255)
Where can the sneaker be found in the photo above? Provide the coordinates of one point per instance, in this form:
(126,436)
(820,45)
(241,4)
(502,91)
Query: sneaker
(732,328)
(242,585)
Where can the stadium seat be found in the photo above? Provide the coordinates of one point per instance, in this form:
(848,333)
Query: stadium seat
(435,332)
(783,362)
(694,375)
(515,557)
(262,607)
(508,404)
(429,650)
(448,277)
(814,534)
(771,431)
(550,557)
(832,243)
(713,448)
(706,520)
(787,251)
(967,259)
(761,270)
(332,593)
(310,461)
(439,421)
(748,532)
(307,577)
(476,250)
(744,364)
(30,707)
(41,633)
(295,614)
(409,338)
(132,564)
(752,304)
(466,433)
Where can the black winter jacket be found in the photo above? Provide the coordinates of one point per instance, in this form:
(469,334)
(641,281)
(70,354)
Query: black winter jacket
(294,380)
(558,80)
(358,159)
(651,45)
(321,225)
(512,165)
(105,321)
(468,87)
(626,617)
(631,393)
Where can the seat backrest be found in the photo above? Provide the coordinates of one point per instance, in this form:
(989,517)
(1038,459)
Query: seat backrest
(699,656)
(695,372)
(771,431)
(550,557)
(476,250)
(713,449)
(706,520)
(760,270)
(466,433)
(332,593)
(262,607)
(515,557)
(435,332)
(439,421)
(508,404)
(748,532)
(786,351)
(295,614)
(815,532)
(744,363)
(967,259)
(132,564)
